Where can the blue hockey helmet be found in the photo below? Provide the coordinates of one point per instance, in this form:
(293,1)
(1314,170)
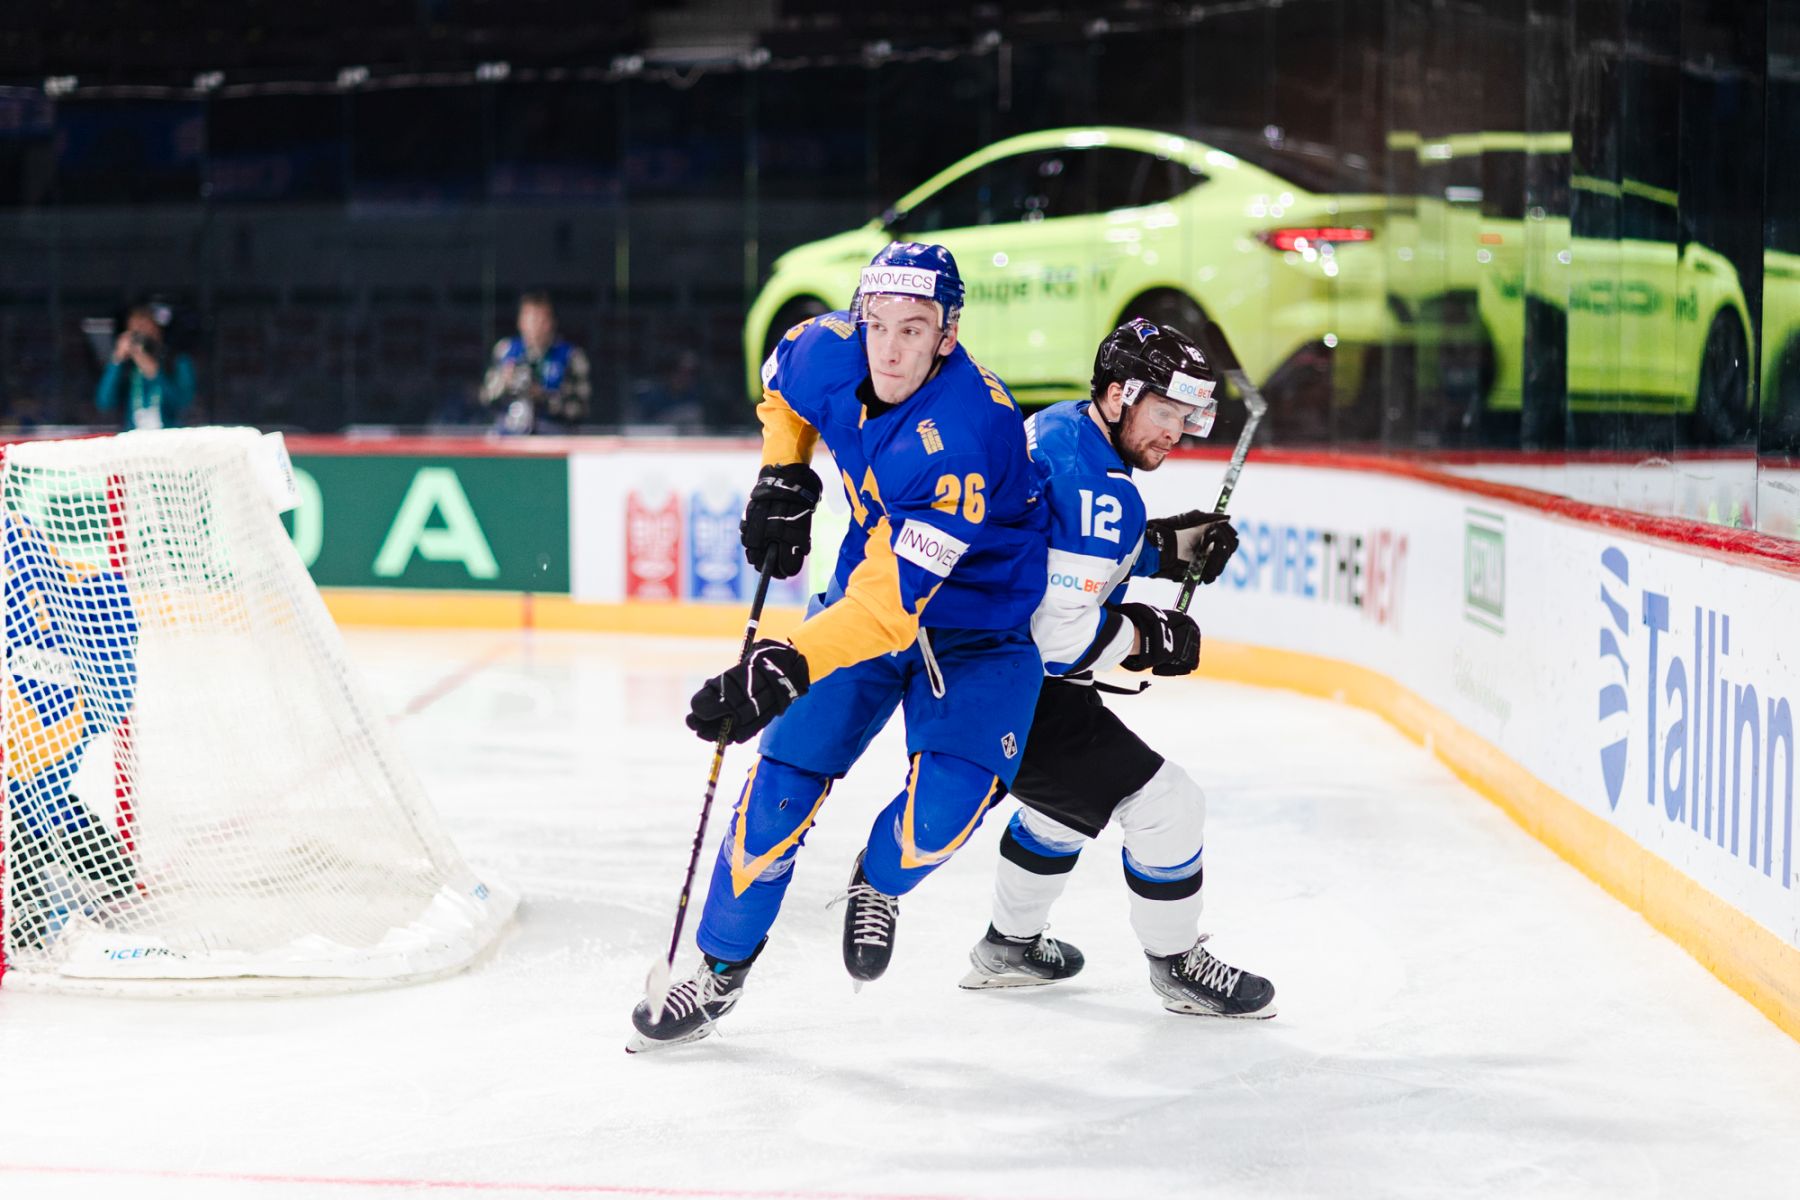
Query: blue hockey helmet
(916,269)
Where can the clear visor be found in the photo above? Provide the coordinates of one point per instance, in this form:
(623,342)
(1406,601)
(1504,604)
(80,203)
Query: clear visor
(1176,416)
(1196,419)
(899,311)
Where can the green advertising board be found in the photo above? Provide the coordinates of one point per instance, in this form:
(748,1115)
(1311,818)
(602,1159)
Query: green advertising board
(376,520)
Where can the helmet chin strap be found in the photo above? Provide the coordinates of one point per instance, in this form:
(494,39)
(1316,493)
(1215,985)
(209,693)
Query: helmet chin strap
(1116,429)
(937,359)
(1113,431)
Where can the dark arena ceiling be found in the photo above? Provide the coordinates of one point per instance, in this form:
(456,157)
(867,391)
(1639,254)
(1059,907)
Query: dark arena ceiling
(175,43)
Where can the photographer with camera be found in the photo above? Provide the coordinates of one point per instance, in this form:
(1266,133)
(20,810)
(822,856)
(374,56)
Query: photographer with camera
(150,386)
(536,382)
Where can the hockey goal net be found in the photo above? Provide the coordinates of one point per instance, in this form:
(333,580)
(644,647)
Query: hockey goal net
(199,795)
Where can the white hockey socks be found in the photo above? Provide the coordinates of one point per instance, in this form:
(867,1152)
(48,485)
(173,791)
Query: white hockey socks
(1164,824)
(1036,855)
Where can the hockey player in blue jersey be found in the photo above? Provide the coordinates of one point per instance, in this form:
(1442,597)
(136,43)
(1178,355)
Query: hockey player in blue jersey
(929,611)
(71,634)
(1083,767)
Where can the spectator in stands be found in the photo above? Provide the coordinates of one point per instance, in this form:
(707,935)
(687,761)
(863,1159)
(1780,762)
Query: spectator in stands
(678,397)
(537,383)
(150,386)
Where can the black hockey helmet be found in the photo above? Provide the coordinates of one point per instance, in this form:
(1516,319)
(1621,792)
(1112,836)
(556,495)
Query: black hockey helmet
(1145,357)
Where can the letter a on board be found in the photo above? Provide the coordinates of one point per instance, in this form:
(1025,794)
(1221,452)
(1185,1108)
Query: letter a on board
(436,490)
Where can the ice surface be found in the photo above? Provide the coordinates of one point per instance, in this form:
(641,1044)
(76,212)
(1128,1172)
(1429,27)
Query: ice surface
(1462,1014)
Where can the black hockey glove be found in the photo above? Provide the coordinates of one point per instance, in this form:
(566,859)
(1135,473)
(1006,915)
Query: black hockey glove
(751,694)
(1171,640)
(780,515)
(1193,536)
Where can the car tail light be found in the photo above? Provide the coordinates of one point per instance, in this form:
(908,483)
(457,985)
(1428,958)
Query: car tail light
(1303,237)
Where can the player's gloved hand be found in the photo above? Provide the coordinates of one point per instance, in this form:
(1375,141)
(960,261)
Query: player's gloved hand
(1203,537)
(1170,640)
(751,694)
(780,515)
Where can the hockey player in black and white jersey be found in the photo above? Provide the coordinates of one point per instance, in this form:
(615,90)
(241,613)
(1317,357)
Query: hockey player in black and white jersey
(1082,767)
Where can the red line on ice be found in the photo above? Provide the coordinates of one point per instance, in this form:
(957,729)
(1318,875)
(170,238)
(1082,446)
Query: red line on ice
(460,1185)
(452,681)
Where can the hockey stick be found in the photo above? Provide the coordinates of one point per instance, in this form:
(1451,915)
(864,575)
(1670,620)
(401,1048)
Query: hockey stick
(662,972)
(1212,340)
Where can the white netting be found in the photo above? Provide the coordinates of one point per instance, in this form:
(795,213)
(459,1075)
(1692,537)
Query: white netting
(196,786)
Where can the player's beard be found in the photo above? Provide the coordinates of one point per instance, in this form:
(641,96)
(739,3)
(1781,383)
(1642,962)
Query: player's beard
(1140,452)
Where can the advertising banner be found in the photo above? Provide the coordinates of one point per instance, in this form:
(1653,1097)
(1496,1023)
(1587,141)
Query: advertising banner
(1651,684)
(652,545)
(370,520)
(717,569)
(664,526)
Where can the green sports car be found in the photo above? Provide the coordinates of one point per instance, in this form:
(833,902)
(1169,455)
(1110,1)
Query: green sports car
(1063,234)
(1639,321)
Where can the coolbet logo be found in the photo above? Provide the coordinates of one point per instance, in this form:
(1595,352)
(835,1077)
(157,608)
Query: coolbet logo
(1484,569)
(1186,387)
(930,437)
(1079,583)
(1718,757)
(930,548)
(1330,566)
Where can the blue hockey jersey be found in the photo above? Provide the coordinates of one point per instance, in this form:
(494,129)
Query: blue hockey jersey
(947,529)
(72,634)
(1096,540)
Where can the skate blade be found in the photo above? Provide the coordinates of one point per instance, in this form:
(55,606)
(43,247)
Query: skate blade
(1199,1010)
(639,1044)
(979,980)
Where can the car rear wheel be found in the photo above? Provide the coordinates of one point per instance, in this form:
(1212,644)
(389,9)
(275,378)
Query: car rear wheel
(1722,405)
(1544,405)
(1176,310)
(1167,308)
(789,315)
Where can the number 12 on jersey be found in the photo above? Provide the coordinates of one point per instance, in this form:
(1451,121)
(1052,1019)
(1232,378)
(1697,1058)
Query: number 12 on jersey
(1100,515)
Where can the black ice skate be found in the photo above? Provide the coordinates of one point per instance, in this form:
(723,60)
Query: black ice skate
(870,919)
(1198,983)
(693,1005)
(32,911)
(98,855)
(1000,961)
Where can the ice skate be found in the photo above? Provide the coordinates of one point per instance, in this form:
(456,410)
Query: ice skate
(999,961)
(1195,982)
(870,920)
(692,1005)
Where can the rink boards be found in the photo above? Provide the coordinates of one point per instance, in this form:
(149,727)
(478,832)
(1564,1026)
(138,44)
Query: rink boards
(1623,686)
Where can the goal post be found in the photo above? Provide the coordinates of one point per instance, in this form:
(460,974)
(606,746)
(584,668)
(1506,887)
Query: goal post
(199,795)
